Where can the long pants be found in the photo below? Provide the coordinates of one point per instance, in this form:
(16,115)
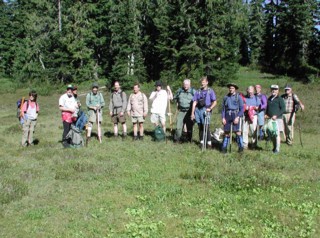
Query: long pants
(66,129)
(288,121)
(183,118)
(200,114)
(250,128)
(28,130)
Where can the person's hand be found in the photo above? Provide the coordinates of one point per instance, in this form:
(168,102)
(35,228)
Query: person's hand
(302,107)
(208,109)
(236,120)
(224,122)
(168,88)
(121,114)
(111,114)
(144,115)
(128,112)
(192,117)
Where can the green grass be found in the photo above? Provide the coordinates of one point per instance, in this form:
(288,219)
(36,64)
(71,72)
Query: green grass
(147,189)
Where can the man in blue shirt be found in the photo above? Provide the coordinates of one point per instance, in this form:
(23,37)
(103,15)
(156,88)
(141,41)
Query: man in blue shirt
(232,111)
(204,100)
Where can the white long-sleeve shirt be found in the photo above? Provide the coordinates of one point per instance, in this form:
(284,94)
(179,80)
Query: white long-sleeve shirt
(159,101)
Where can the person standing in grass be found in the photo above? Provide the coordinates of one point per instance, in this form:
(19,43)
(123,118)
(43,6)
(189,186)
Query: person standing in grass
(274,112)
(68,106)
(159,98)
(184,97)
(232,112)
(204,100)
(251,107)
(261,112)
(293,104)
(117,108)
(95,102)
(138,109)
(29,112)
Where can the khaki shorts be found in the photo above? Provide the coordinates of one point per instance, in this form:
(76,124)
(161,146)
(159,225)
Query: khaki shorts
(157,117)
(117,118)
(93,116)
(138,119)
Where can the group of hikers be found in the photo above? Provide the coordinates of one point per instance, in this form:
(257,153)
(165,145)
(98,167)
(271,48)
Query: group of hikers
(250,117)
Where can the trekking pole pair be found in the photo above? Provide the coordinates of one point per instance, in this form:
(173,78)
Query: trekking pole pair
(205,130)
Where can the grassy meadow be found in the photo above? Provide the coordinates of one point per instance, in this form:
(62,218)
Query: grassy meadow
(148,189)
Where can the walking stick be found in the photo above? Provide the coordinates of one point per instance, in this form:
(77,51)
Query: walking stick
(98,125)
(230,141)
(205,131)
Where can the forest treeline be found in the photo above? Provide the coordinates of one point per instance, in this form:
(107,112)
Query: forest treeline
(145,40)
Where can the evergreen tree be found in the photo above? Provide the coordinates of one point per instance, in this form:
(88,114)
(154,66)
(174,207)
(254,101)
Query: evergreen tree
(125,46)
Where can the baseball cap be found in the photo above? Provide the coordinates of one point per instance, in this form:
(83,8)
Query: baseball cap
(288,86)
(70,86)
(158,83)
(95,85)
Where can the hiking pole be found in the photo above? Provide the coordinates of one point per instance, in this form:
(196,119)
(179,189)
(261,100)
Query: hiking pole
(98,125)
(205,131)
(230,141)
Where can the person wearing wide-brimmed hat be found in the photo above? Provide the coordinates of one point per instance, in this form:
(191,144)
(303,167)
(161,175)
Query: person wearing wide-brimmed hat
(95,102)
(293,104)
(68,106)
(275,109)
(232,112)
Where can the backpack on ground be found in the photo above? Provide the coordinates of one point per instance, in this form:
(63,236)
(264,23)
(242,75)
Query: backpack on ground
(75,137)
(271,128)
(159,134)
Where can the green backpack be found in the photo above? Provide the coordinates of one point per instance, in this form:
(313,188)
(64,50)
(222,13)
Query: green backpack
(159,134)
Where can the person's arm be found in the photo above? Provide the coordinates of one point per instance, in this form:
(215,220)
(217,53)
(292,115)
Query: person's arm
(263,102)
(145,105)
(213,101)
(124,101)
(153,95)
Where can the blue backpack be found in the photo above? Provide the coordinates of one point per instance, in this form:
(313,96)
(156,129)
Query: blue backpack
(81,121)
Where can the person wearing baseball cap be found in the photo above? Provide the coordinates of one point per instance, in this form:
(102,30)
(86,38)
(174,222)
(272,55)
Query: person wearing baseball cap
(274,111)
(261,112)
(293,104)
(95,102)
(68,106)
(159,98)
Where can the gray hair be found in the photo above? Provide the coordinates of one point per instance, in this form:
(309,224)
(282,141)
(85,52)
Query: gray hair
(187,81)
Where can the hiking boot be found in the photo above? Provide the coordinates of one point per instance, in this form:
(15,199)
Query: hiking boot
(135,138)
(141,138)
(240,150)
(275,151)
(224,150)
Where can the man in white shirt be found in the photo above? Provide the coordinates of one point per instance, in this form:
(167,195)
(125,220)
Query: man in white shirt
(67,105)
(159,99)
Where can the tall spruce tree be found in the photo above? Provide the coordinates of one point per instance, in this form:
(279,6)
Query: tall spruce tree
(125,46)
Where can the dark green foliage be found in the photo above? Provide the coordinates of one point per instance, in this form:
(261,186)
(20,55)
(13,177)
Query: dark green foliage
(144,40)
